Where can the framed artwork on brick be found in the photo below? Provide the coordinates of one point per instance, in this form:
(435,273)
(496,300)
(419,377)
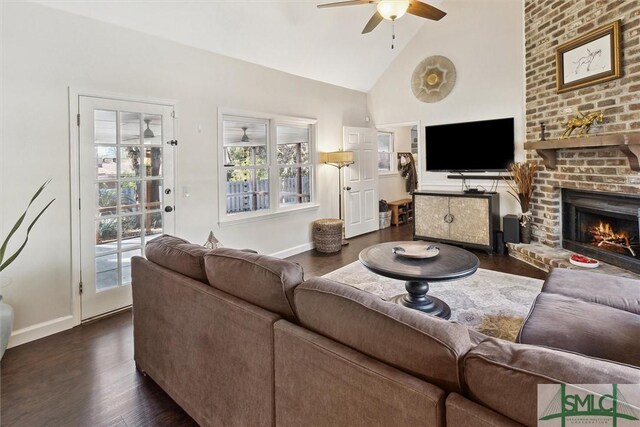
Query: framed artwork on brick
(589,59)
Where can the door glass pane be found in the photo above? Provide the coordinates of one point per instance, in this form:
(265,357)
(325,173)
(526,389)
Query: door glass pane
(153,200)
(129,162)
(294,185)
(106,162)
(107,197)
(153,226)
(152,133)
(106,272)
(126,265)
(106,235)
(131,232)
(130,196)
(153,161)
(130,125)
(104,127)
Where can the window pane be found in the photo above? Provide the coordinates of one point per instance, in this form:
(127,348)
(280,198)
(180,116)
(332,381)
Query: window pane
(104,123)
(384,142)
(245,156)
(153,161)
(291,154)
(153,200)
(125,265)
(130,127)
(384,161)
(294,185)
(106,272)
(130,196)
(106,235)
(106,162)
(247,190)
(152,133)
(107,198)
(236,132)
(153,226)
(129,162)
(131,232)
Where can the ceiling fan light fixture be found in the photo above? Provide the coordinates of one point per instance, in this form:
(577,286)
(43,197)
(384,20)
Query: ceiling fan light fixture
(392,9)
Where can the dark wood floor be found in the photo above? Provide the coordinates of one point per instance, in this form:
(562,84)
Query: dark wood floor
(86,376)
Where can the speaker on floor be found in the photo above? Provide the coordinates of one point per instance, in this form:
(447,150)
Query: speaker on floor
(511,228)
(499,243)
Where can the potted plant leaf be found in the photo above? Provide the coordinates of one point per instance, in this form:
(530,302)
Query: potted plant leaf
(6,311)
(521,188)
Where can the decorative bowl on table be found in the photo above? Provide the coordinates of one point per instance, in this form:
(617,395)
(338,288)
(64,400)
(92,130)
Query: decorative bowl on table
(416,250)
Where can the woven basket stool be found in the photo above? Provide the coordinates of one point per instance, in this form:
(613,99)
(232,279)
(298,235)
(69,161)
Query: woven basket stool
(327,235)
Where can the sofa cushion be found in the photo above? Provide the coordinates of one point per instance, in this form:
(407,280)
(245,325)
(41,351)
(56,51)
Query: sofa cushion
(265,281)
(617,292)
(504,376)
(178,255)
(422,345)
(592,329)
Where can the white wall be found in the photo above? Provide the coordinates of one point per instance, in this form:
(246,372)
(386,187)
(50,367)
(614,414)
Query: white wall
(485,41)
(392,186)
(45,51)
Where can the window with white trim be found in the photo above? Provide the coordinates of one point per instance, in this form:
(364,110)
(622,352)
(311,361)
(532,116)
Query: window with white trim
(267,164)
(385,152)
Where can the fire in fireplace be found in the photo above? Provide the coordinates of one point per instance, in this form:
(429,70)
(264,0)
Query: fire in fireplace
(604,226)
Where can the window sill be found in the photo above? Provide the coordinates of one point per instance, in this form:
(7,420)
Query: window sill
(256,217)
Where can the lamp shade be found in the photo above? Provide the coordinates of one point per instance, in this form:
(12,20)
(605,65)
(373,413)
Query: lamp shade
(392,9)
(339,157)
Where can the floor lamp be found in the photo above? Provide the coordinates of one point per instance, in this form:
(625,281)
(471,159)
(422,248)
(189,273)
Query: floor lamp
(339,159)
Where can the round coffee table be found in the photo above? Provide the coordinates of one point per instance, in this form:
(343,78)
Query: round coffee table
(451,263)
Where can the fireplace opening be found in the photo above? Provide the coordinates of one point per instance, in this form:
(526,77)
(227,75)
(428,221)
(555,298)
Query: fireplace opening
(604,226)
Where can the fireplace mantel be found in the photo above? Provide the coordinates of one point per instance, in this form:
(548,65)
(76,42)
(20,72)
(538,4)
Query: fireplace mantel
(628,143)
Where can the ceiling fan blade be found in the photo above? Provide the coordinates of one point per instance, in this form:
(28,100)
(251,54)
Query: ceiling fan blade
(425,10)
(346,3)
(373,23)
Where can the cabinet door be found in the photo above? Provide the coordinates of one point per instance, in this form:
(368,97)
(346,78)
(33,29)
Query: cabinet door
(470,220)
(429,213)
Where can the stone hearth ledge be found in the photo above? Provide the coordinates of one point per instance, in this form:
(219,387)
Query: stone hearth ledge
(545,258)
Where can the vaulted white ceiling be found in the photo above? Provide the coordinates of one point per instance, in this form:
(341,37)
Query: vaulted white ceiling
(287,35)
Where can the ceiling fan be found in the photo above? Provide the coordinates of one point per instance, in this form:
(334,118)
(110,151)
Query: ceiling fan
(392,10)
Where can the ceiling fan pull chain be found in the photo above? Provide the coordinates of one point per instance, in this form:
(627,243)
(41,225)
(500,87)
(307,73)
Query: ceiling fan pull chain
(393,33)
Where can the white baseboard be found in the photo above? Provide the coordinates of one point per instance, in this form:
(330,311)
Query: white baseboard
(40,330)
(294,251)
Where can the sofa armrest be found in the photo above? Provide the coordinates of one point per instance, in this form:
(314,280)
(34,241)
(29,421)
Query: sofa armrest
(462,412)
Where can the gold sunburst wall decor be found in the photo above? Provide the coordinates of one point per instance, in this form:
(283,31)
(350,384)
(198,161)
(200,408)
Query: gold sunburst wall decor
(433,79)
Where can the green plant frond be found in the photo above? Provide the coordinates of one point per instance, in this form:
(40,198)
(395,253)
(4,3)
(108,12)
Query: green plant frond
(26,239)
(17,225)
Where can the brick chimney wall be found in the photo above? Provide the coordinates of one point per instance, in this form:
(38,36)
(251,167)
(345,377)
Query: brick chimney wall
(548,24)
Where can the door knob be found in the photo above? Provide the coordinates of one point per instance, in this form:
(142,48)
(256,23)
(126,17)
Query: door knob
(167,191)
(347,188)
(168,209)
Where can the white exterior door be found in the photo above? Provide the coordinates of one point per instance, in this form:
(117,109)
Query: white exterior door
(361,182)
(126,181)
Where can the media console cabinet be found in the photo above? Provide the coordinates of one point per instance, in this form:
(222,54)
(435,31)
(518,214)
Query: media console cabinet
(466,219)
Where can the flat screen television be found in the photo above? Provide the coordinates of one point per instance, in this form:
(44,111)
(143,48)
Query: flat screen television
(486,145)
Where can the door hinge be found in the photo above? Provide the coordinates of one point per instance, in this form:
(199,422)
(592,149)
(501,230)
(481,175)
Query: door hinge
(173,114)
(78,119)
(173,142)
(80,288)
(79,204)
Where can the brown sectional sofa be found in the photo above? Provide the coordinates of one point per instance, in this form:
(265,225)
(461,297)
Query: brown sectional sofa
(240,339)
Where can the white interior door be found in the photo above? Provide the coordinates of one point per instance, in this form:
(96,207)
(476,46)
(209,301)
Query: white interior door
(126,181)
(361,181)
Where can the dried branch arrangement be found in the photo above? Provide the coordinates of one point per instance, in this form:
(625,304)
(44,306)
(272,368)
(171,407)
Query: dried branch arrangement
(521,186)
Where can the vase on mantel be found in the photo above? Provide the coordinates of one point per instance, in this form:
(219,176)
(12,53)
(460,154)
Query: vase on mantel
(6,325)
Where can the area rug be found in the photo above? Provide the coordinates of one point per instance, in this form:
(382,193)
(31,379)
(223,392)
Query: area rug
(490,302)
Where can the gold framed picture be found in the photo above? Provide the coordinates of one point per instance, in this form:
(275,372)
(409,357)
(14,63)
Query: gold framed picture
(589,59)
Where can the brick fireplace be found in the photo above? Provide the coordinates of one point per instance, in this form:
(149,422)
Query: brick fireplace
(601,170)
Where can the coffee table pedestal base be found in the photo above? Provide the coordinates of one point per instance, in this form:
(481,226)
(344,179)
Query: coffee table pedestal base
(417,299)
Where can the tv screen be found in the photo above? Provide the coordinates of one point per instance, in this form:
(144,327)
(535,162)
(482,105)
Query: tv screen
(486,145)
